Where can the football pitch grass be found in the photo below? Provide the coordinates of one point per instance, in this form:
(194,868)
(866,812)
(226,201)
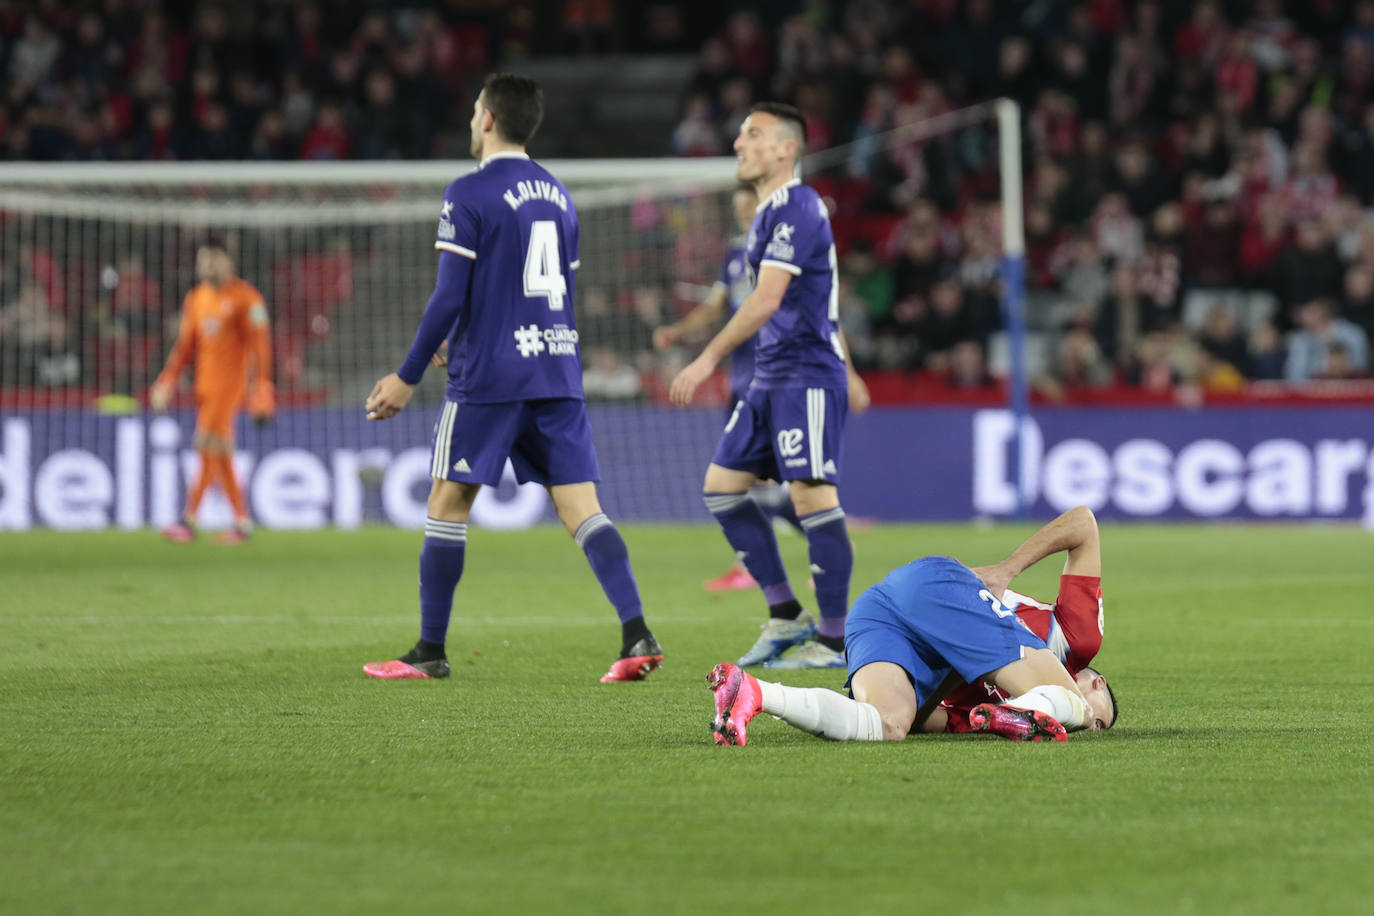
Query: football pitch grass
(188,729)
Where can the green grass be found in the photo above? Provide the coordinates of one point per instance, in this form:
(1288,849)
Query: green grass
(188,730)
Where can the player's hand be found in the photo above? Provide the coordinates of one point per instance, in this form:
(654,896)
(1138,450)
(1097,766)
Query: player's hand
(690,379)
(995,577)
(262,402)
(859,398)
(159,396)
(389,396)
(666,336)
(440,358)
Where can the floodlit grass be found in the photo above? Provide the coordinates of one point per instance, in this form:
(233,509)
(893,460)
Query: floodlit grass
(187,729)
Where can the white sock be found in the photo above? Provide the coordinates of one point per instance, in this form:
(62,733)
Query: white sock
(1062,703)
(823,713)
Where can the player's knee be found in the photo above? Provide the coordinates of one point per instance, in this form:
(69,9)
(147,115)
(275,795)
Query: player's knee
(451,500)
(810,496)
(725,480)
(897,723)
(574,504)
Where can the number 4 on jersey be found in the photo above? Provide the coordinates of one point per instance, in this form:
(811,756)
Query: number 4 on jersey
(543,268)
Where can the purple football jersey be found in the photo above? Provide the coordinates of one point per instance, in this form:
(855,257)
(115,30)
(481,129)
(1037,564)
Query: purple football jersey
(799,346)
(515,340)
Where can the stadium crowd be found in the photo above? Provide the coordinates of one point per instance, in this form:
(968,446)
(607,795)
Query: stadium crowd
(1198,172)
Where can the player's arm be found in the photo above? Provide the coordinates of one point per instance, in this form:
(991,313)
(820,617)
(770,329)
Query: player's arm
(262,394)
(1078,608)
(1075,532)
(706,314)
(859,398)
(753,314)
(442,312)
(160,394)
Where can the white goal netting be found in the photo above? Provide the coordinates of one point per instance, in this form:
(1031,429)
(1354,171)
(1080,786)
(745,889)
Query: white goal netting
(95,261)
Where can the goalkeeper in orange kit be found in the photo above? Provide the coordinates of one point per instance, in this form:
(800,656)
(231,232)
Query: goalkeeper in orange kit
(224,330)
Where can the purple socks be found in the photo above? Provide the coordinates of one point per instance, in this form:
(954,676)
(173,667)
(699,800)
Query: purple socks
(441,566)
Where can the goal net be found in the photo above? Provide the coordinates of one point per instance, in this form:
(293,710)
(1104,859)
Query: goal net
(95,261)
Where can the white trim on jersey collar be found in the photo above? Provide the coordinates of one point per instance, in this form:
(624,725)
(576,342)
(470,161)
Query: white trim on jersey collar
(504,154)
(791,183)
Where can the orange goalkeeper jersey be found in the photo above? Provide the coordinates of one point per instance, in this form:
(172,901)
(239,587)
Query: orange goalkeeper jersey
(223,329)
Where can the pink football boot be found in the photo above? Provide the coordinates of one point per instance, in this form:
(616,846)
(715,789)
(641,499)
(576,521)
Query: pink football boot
(738,699)
(1016,724)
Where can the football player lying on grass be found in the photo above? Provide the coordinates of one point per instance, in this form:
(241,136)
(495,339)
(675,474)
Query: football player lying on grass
(939,646)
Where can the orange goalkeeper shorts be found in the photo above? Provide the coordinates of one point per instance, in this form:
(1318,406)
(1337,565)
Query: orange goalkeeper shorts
(216,418)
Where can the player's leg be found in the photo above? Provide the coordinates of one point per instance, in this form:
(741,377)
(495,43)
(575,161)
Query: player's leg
(883,706)
(580,512)
(184,530)
(469,450)
(442,557)
(775,500)
(213,429)
(736,578)
(831,556)
(806,426)
(743,456)
(223,450)
(554,447)
(1039,686)
(751,534)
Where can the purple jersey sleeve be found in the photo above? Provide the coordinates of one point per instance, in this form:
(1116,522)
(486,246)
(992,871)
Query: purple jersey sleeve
(459,223)
(444,311)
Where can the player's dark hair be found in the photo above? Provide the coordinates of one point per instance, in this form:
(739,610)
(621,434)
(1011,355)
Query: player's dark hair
(215,242)
(517,104)
(1111,695)
(788,114)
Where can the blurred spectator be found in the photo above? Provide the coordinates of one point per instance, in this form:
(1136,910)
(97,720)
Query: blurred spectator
(328,137)
(1319,333)
(1079,363)
(37,336)
(34,55)
(919,264)
(1118,323)
(872,284)
(1213,246)
(1214,374)
(606,377)
(1081,268)
(1357,305)
(967,367)
(1158,271)
(945,323)
(1310,269)
(695,134)
(857,324)
(1222,340)
(1152,366)
(1268,357)
(1262,243)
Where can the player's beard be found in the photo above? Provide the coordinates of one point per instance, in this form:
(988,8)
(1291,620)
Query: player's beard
(475,146)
